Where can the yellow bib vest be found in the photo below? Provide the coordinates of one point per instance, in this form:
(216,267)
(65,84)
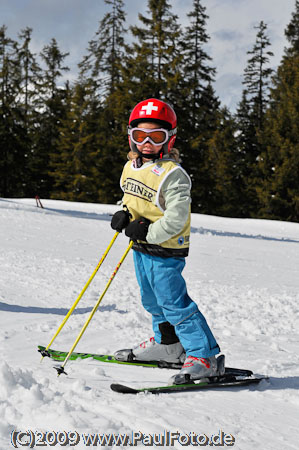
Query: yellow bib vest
(142,189)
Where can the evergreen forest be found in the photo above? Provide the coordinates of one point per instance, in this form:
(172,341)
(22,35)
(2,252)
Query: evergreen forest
(68,140)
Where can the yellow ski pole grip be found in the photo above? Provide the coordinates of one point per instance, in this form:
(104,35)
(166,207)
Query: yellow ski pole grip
(44,352)
(60,369)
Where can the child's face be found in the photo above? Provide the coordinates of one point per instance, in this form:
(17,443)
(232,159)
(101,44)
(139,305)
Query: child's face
(148,148)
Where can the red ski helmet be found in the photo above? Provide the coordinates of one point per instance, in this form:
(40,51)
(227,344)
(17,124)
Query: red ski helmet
(157,111)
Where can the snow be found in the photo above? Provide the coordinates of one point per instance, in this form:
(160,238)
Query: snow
(242,272)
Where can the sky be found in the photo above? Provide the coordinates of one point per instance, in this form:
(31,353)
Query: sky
(73,23)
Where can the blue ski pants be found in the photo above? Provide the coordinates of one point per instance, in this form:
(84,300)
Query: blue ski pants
(164,295)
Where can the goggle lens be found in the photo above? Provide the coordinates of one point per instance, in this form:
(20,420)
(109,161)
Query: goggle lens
(157,136)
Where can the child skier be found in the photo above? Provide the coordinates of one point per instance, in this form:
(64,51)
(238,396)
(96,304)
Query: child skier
(156,216)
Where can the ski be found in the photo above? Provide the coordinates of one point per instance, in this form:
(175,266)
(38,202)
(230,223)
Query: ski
(225,381)
(232,377)
(58,355)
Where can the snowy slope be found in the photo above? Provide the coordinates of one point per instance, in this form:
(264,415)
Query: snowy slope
(244,276)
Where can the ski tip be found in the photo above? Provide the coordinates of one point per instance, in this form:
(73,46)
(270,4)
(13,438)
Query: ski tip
(120,388)
(43,352)
(229,382)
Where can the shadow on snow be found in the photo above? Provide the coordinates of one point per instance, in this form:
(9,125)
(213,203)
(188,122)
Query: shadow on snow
(240,235)
(81,214)
(58,311)
(276,383)
(65,212)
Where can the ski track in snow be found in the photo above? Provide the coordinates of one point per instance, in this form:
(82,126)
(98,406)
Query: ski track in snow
(243,273)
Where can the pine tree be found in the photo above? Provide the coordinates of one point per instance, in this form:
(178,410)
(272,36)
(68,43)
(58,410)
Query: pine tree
(53,97)
(29,100)
(292,32)
(250,117)
(101,74)
(279,190)
(31,73)
(12,131)
(153,60)
(101,66)
(225,168)
(197,107)
(195,152)
(74,164)
(198,73)
(257,75)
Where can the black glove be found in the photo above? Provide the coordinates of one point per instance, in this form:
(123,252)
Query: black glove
(120,220)
(137,230)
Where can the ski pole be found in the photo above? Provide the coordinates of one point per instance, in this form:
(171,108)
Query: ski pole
(45,351)
(60,369)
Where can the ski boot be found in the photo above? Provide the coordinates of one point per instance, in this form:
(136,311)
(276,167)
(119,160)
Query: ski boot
(198,369)
(150,350)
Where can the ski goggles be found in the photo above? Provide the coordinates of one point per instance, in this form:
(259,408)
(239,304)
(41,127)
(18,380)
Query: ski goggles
(158,136)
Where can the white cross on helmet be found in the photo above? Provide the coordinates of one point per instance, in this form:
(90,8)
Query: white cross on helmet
(149,108)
